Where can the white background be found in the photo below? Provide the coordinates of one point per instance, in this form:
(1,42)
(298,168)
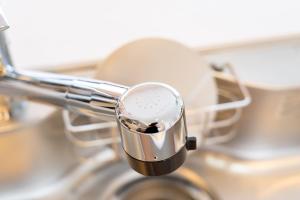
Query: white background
(54,32)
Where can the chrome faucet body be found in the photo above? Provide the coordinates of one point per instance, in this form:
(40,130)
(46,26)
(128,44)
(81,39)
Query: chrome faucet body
(150,116)
(85,95)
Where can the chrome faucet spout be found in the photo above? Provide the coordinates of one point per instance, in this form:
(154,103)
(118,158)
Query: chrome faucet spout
(150,116)
(85,95)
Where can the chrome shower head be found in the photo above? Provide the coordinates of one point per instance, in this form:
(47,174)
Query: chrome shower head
(153,129)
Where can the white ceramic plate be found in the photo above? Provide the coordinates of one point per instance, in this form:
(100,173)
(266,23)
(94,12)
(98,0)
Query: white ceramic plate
(166,61)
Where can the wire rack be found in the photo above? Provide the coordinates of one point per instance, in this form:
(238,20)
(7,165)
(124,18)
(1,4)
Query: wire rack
(233,96)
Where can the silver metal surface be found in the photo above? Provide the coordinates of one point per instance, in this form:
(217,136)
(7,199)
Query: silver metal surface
(261,162)
(269,166)
(185,184)
(85,95)
(151,121)
(118,182)
(269,126)
(38,161)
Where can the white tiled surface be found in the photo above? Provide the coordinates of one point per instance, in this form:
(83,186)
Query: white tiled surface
(52,32)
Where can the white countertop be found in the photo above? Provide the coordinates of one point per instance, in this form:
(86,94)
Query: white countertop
(45,33)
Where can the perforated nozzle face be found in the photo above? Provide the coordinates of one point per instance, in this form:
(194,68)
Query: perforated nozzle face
(150,108)
(153,129)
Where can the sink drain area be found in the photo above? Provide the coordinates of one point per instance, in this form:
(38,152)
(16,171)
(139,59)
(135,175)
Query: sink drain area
(117,181)
(169,188)
(182,185)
